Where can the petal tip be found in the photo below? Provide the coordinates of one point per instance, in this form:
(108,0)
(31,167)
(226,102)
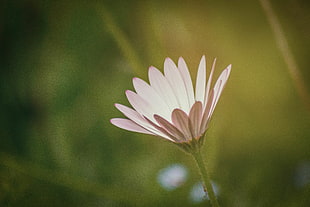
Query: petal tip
(181,61)
(168,60)
(135,80)
(202,61)
(118,106)
(127,92)
(177,109)
(155,116)
(203,58)
(197,102)
(112,121)
(153,69)
(228,69)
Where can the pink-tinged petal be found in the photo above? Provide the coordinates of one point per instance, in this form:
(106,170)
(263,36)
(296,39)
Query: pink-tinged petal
(217,89)
(163,88)
(214,97)
(177,84)
(146,92)
(205,118)
(129,125)
(139,119)
(220,84)
(181,121)
(201,80)
(187,80)
(169,128)
(130,113)
(167,136)
(209,82)
(195,116)
(139,104)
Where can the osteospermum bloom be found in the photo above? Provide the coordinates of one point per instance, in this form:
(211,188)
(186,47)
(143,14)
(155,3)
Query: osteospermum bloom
(170,107)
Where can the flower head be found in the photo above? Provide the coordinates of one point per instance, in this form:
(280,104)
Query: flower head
(169,107)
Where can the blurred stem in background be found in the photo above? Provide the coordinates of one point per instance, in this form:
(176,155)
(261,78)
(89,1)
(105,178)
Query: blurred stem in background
(121,39)
(288,57)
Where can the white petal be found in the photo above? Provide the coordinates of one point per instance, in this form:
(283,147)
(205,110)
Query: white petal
(140,105)
(219,86)
(181,121)
(129,125)
(209,82)
(214,97)
(175,79)
(195,116)
(187,80)
(217,89)
(148,93)
(201,80)
(137,118)
(205,118)
(164,131)
(163,88)
(132,114)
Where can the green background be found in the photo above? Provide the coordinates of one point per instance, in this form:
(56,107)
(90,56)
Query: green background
(65,63)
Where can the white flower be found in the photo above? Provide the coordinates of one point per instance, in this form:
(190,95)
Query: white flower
(197,193)
(172,176)
(168,107)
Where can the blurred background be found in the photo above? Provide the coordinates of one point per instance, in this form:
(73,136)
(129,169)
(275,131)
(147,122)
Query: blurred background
(65,63)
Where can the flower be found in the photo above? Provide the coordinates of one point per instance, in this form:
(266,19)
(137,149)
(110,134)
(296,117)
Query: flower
(168,107)
(198,195)
(172,176)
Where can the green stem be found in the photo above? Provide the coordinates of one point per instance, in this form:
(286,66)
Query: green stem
(206,180)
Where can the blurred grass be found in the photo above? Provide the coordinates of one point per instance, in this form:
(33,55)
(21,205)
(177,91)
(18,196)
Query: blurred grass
(68,180)
(64,64)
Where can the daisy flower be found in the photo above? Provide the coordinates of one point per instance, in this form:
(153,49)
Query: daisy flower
(169,107)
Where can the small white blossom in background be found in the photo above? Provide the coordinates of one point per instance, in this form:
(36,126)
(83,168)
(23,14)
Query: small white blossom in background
(172,176)
(197,194)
